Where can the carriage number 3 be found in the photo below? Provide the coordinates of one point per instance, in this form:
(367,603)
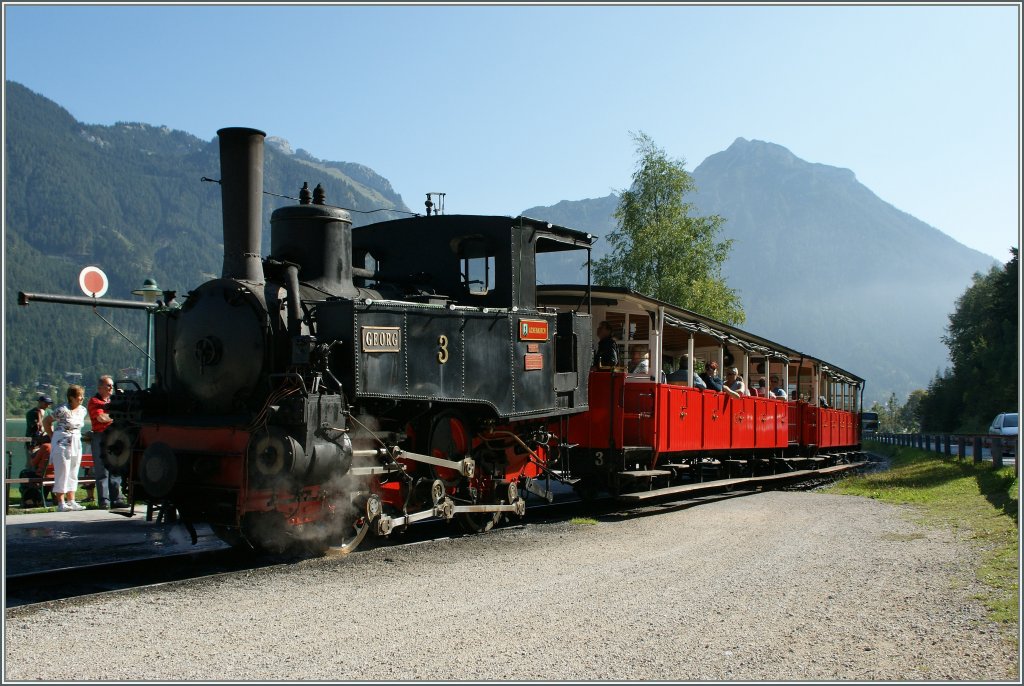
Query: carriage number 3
(442,348)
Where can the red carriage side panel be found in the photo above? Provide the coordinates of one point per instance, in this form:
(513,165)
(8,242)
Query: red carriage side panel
(716,418)
(679,418)
(824,427)
(601,426)
(850,423)
(638,413)
(795,421)
(765,425)
(782,411)
(827,419)
(741,422)
(810,427)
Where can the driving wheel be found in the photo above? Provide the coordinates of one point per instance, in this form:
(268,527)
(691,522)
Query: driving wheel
(450,440)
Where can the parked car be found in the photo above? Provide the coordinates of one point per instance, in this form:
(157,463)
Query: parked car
(1006,424)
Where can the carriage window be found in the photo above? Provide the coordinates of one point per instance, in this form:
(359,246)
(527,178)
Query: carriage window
(477,267)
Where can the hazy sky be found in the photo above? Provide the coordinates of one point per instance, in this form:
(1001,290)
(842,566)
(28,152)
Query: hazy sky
(507,107)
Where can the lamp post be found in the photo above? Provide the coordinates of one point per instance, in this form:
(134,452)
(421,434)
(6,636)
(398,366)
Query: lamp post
(150,293)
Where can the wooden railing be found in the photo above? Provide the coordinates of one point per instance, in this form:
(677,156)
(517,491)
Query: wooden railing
(944,443)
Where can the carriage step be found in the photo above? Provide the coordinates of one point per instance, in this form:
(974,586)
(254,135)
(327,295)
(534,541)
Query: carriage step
(705,486)
(646,473)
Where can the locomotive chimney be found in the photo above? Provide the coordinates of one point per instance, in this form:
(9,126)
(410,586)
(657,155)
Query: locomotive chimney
(241,187)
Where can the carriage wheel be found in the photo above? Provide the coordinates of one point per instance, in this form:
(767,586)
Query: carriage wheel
(449,439)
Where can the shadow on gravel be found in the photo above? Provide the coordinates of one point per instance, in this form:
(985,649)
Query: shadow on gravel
(655,509)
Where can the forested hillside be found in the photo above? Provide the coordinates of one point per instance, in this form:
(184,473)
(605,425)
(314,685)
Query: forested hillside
(129,199)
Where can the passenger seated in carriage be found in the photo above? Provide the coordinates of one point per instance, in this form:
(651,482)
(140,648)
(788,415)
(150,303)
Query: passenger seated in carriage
(681,376)
(734,385)
(710,376)
(777,390)
(640,365)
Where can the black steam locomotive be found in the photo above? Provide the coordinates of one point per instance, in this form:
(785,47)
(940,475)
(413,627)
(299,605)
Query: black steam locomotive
(353,380)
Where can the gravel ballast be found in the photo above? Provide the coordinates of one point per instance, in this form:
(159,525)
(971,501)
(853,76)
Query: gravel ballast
(773,586)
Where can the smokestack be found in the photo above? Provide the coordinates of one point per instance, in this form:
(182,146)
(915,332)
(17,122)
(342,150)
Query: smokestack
(241,188)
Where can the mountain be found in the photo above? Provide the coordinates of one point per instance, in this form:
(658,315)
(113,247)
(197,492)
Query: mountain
(129,199)
(821,263)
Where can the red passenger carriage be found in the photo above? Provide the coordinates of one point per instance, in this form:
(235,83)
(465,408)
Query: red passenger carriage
(642,431)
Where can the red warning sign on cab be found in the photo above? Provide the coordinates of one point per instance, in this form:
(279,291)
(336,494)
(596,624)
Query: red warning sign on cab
(533,330)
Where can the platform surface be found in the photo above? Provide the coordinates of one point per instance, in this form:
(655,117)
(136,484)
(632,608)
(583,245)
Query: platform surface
(55,540)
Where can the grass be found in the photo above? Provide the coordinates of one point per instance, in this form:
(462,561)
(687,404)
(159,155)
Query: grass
(14,502)
(584,521)
(975,500)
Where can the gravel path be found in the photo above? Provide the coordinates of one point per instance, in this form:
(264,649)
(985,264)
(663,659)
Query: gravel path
(774,586)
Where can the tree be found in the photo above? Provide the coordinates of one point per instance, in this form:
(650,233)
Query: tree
(909,416)
(888,418)
(982,338)
(663,250)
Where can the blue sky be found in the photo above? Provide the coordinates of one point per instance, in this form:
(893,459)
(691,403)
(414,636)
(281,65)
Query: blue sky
(507,107)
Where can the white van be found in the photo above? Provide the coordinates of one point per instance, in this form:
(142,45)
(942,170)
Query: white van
(1006,424)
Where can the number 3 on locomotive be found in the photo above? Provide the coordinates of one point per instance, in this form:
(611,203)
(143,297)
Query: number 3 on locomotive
(442,348)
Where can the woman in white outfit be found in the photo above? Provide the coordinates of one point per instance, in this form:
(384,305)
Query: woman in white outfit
(65,425)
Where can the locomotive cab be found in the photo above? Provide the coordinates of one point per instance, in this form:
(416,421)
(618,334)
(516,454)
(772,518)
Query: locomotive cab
(458,319)
(467,260)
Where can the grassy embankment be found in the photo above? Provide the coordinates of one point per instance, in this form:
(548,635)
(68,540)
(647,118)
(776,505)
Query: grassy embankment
(974,499)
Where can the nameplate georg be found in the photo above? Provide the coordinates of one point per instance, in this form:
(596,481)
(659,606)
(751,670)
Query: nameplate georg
(381,339)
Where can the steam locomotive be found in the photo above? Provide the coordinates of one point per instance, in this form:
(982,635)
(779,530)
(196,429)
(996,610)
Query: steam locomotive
(359,380)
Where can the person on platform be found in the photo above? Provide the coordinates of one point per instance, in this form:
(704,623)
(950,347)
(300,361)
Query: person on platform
(65,429)
(34,430)
(606,356)
(38,461)
(108,486)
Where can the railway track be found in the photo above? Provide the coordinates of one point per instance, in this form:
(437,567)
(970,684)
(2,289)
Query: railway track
(70,583)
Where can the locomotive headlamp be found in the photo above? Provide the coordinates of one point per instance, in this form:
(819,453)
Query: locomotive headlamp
(150,292)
